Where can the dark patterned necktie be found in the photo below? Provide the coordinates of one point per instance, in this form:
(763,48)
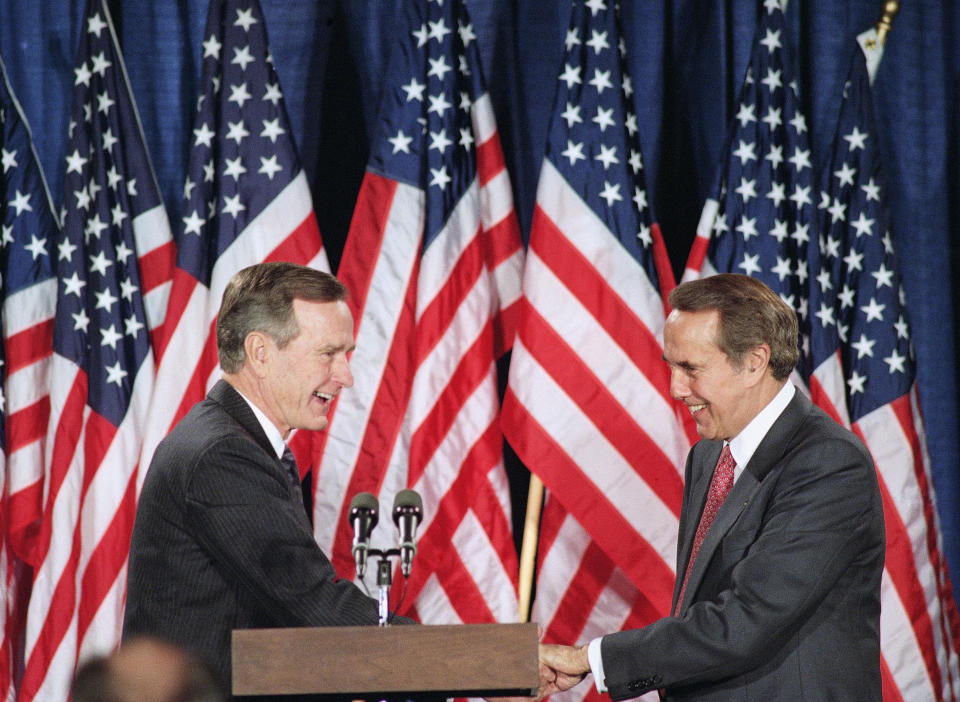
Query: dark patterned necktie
(720,486)
(293,473)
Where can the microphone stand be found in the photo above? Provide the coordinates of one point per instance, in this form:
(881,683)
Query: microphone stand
(384,581)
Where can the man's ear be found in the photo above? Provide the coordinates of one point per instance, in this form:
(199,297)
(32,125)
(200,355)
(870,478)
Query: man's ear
(256,349)
(757,361)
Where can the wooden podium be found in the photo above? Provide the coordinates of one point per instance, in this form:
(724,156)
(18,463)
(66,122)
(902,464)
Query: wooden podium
(367,662)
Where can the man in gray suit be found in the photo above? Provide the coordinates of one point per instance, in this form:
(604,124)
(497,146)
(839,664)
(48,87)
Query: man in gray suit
(777,594)
(221,539)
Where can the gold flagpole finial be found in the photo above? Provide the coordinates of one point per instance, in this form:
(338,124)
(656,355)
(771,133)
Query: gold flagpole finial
(886,22)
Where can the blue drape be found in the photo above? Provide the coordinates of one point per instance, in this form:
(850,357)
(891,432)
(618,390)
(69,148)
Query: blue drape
(687,59)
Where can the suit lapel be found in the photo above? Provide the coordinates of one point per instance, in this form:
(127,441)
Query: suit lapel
(765,458)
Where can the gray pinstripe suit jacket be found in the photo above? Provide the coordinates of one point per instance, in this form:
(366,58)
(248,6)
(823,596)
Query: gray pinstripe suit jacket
(221,541)
(783,602)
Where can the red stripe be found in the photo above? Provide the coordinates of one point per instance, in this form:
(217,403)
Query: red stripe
(156,266)
(577,380)
(551,521)
(474,367)
(302,245)
(28,346)
(386,418)
(698,252)
(605,304)
(505,328)
(502,240)
(107,559)
(890,691)
(490,161)
(27,425)
(24,511)
(640,561)
(469,603)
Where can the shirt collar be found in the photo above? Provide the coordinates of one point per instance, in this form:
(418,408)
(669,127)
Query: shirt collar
(269,428)
(744,444)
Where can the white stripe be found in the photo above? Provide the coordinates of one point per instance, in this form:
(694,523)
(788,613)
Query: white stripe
(590,236)
(436,607)
(484,121)
(830,376)
(151,230)
(27,386)
(29,307)
(603,354)
(577,436)
(508,277)
(495,200)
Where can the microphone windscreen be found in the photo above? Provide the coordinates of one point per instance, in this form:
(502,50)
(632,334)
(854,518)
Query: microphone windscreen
(367,502)
(408,498)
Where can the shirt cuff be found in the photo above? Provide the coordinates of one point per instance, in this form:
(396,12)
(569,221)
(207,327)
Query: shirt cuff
(596,665)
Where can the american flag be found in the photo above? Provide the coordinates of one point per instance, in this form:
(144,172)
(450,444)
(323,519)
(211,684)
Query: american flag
(433,263)
(587,406)
(828,251)
(245,200)
(27,233)
(101,372)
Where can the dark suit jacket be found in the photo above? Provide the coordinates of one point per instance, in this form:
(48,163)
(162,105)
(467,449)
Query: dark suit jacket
(783,602)
(221,540)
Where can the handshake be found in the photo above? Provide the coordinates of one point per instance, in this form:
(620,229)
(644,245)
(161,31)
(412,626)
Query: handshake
(561,667)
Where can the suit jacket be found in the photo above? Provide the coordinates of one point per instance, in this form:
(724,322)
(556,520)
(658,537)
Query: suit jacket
(783,601)
(221,540)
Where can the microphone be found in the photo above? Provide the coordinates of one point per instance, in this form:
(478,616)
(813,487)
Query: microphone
(364,513)
(407,513)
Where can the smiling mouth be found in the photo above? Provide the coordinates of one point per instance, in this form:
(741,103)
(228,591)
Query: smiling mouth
(695,408)
(324,396)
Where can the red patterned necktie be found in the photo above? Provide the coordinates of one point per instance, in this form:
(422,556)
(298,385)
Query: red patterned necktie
(720,486)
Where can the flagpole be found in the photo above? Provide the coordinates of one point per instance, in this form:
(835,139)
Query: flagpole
(890,9)
(528,548)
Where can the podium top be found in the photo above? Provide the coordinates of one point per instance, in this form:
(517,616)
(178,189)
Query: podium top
(465,660)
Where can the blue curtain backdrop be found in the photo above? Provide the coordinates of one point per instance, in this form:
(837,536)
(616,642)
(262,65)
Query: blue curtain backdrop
(687,59)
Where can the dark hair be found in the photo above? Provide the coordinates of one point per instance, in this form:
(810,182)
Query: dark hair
(750,314)
(260,298)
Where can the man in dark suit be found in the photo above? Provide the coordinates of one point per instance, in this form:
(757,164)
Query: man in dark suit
(777,594)
(221,539)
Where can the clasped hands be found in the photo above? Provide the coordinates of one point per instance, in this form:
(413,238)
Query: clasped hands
(561,667)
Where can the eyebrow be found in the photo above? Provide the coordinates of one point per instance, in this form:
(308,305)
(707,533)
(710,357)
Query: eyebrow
(686,365)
